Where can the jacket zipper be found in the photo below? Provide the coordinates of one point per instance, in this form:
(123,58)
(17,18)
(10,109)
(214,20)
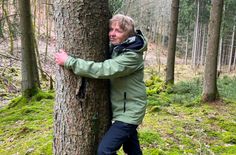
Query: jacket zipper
(124,101)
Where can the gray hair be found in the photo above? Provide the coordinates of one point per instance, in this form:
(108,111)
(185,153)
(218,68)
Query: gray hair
(126,23)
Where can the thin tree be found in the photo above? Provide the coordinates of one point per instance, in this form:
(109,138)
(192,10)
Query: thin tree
(196,38)
(10,28)
(30,76)
(220,55)
(172,42)
(210,92)
(186,50)
(231,50)
(81,113)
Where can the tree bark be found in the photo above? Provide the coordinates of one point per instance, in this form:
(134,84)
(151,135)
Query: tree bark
(30,76)
(9,25)
(210,92)
(220,58)
(172,42)
(202,60)
(231,51)
(196,36)
(82,112)
(186,50)
(234,63)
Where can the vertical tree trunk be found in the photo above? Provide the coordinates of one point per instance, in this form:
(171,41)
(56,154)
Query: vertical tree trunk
(226,53)
(231,50)
(196,37)
(202,61)
(199,42)
(39,21)
(234,49)
(82,113)
(186,50)
(1,24)
(30,76)
(220,59)
(210,92)
(10,29)
(234,63)
(35,4)
(172,42)
(47,30)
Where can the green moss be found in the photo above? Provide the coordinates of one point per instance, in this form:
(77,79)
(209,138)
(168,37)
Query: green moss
(174,151)
(154,85)
(224,150)
(229,137)
(155,109)
(228,125)
(176,123)
(43,95)
(212,133)
(26,127)
(153,151)
(22,101)
(150,138)
(18,101)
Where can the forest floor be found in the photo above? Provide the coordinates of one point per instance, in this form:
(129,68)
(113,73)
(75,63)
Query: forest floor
(10,66)
(176,122)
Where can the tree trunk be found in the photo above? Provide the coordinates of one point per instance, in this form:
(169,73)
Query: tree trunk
(231,50)
(234,49)
(47,30)
(30,76)
(186,50)
(172,42)
(202,60)
(10,29)
(234,63)
(196,37)
(82,112)
(210,92)
(220,55)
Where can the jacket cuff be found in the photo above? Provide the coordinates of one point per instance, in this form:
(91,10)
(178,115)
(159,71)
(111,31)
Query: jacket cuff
(67,62)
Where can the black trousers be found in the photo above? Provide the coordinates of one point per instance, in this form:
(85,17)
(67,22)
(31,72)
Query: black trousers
(119,134)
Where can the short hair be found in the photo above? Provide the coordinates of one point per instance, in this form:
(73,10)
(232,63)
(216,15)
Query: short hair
(126,23)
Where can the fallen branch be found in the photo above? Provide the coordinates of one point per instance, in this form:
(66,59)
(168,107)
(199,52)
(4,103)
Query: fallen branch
(10,56)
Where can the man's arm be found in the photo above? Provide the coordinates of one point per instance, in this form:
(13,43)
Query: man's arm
(122,65)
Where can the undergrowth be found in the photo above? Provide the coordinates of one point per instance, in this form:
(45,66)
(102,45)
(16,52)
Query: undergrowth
(186,125)
(176,121)
(26,125)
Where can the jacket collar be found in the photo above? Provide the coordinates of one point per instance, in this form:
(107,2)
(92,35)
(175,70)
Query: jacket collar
(135,43)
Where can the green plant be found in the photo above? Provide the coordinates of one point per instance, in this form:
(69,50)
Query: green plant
(154,85)
(150,138)
(26,127)
(226,87)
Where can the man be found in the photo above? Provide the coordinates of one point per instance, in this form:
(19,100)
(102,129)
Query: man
(128,92)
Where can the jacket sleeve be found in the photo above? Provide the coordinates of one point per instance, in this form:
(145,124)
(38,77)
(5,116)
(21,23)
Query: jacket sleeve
(119,66)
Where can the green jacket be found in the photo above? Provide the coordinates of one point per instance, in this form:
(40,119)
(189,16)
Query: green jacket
(125,71)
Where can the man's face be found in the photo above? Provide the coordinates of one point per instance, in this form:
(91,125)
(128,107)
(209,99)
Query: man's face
(116,34)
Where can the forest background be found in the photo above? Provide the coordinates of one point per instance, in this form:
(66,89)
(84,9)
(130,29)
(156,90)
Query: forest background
(177,120)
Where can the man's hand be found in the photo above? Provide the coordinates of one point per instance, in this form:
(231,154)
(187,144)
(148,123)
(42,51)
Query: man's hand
(61,57)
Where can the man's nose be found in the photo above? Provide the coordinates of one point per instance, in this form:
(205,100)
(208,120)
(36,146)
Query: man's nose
(112,33)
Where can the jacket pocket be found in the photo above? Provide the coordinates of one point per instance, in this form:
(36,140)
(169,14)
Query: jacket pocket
(124,101)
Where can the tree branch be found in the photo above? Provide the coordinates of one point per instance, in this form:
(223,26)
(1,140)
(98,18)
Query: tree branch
(10,56)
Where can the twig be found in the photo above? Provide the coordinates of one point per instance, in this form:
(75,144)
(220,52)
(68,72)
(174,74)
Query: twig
(10,56)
